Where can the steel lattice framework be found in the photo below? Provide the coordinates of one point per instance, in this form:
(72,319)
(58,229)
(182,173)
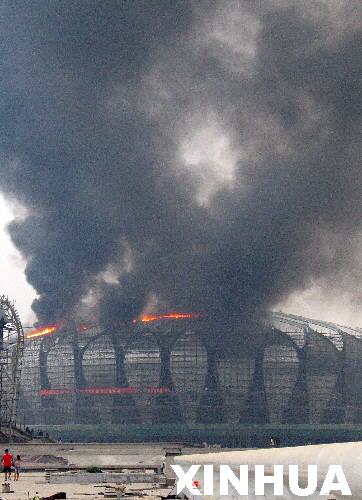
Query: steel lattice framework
(11,354)
(287,369)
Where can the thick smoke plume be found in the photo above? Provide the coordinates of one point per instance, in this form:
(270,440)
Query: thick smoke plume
(192,156)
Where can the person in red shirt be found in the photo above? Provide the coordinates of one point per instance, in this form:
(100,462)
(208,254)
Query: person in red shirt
(7,464)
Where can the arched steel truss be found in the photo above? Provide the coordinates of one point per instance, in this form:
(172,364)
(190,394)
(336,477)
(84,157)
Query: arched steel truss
(144,363)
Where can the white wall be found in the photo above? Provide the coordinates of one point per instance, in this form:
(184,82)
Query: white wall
(349,455)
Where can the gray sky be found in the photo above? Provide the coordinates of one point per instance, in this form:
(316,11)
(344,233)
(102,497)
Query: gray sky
(197,156)
(12,266)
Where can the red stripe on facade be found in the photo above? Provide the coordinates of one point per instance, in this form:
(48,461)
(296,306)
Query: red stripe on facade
(104,391)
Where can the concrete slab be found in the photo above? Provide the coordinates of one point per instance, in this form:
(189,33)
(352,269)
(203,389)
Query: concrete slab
(86,478)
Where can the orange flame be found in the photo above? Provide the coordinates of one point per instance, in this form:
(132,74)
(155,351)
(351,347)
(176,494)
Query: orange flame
(43,332)
(50,329)
(148,318)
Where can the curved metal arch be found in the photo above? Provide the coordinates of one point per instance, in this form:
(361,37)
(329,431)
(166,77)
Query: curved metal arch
(285,338)
(49,343)
(93,340)
(164,331)
(296,409)
(333,333)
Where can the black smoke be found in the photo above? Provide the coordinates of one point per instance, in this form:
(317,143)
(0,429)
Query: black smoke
(99,98)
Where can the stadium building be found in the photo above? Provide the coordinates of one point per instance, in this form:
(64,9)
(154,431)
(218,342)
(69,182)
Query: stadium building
(167,369)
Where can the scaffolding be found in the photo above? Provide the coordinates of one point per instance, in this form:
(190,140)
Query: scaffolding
(296,370)
(11,353)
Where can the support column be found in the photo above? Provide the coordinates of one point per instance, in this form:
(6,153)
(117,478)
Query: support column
(335,412)
(49,403)
(85,411)
(297,411)
(255,410)
(166,407)
(124,408)
(211,410)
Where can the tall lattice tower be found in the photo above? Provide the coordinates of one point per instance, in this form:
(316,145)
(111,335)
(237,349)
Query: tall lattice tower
(11,353)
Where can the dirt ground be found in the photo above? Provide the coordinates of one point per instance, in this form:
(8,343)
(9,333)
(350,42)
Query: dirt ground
(49,456)
(32,482)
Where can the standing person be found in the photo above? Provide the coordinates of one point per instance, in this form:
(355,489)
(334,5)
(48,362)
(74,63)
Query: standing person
(7,464)
(17,468)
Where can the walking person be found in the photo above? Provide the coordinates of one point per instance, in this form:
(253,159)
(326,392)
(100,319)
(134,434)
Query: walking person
(17,468)
(7,464)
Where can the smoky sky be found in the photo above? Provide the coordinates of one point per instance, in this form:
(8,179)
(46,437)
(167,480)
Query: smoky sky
(194,156)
